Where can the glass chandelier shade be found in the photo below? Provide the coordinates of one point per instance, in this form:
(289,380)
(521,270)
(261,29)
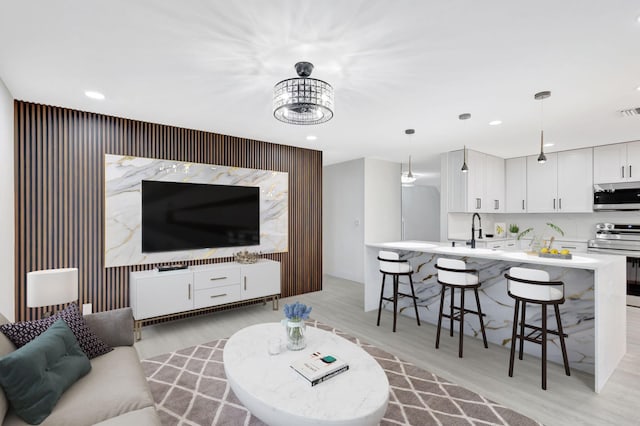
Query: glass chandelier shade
(303,100)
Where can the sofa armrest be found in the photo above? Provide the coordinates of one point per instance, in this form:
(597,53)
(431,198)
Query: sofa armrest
(114,327)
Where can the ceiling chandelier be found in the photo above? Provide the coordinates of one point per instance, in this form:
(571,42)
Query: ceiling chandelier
(408,178)
(303,100)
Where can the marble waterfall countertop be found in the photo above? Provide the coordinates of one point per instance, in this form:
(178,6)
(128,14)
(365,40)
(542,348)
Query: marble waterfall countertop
(594,313)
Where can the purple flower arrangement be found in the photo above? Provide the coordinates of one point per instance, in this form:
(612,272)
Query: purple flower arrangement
(297,311)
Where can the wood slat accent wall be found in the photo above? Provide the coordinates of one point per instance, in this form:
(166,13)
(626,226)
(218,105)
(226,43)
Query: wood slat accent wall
(59,159)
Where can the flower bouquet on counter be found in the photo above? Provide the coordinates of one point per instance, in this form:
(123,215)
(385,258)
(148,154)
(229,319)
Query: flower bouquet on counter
(296,313)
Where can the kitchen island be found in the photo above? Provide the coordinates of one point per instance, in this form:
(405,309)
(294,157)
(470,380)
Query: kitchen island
(593,315)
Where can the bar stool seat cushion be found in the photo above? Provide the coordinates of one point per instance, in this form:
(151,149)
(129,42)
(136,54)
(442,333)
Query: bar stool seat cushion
(393,267)
(455,278)
(532,291)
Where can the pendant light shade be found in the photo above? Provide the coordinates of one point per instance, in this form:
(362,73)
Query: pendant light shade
(541,96)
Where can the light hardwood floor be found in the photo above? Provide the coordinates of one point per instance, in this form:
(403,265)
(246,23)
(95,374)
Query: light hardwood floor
(568,400)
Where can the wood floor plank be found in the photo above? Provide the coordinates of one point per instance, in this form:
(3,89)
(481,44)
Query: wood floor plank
(568,400)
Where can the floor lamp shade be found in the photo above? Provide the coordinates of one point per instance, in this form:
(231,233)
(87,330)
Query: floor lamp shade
(52,287)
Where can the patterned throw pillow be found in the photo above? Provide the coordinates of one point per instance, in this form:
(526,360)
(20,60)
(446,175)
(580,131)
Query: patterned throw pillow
(21,333)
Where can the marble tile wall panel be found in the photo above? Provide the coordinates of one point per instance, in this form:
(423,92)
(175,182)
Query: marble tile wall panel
(577,312)
(123,176)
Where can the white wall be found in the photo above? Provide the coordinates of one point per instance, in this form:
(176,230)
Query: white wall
(421,213)
(382,201)
(7,223)
(343,220)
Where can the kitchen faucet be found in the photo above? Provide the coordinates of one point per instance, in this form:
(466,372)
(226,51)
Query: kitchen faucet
(473,229)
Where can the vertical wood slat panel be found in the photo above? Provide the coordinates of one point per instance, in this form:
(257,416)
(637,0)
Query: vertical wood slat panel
(59,162)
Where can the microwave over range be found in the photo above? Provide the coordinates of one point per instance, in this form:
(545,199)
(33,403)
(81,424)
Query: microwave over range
(616,196)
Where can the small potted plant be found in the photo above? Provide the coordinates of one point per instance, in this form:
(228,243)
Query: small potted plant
(514,230)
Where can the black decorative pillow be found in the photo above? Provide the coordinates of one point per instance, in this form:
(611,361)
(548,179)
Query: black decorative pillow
(21,333)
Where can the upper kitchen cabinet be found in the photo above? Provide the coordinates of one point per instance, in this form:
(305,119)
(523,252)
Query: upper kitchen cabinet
(564,184)
(516,185)
(481,189)
(616,163)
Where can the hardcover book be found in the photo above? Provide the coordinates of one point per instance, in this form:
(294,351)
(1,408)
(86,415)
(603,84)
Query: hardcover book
(318,367)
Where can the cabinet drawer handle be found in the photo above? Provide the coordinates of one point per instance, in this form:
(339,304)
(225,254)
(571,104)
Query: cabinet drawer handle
(559,203)
(496,204)
(630,171)
(245,283)
(218,295)
(622,168)
(554,203)
(189,292)
(569,247)
(217,278)
(522,204)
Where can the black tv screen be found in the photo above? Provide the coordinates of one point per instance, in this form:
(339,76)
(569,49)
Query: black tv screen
(183,216)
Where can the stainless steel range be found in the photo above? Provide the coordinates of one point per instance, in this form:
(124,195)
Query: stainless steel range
(623,240)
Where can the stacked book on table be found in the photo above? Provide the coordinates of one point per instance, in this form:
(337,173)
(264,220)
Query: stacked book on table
(318,367)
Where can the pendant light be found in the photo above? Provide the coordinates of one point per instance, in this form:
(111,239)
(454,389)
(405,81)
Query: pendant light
(464,168)
(409,178)
(541,96)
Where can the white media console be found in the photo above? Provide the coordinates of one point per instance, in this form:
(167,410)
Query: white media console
(155,294)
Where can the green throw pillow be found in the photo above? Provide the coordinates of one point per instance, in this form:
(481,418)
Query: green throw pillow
(36,375)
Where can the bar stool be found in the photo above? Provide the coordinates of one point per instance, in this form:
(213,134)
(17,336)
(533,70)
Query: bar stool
(452,274)
(391,264)
(533,286)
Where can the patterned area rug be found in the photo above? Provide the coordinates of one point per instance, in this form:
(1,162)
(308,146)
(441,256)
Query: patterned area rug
(190,388)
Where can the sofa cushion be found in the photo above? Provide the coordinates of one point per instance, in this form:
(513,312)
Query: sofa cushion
(37,374)
(116,385)
(20,333)
(144,417)
(114,327)
(5,347)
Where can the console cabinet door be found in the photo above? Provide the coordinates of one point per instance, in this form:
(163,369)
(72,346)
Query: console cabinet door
(161,294)
(633,161)
(493,184)
(260,279)
(516,185)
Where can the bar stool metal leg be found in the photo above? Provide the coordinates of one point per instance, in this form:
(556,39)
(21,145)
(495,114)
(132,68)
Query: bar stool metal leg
(453,290)
(513,336)
(381,296)
(544,347)
(395,301)
(415,302)
(440,316)
(565,358)
(484,334)
(461,322)
(522,322)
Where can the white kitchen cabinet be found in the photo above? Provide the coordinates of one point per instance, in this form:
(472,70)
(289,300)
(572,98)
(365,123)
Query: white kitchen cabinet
(516,185)
(542,182)
(616,163)
(564,184)
(260,279)
(494,186)
(575,181)
(481,189)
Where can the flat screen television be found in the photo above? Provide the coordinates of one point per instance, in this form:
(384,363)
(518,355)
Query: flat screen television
(184,216)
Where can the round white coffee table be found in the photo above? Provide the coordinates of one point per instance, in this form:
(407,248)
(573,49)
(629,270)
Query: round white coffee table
(277,395)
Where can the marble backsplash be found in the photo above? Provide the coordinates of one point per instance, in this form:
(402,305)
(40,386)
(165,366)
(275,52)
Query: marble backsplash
(123,206)
(577,312)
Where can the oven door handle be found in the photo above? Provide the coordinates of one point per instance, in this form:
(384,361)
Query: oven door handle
(626,253)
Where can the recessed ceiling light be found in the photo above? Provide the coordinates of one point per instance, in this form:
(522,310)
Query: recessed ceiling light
(312,138)
(94,95)
(638,88)
(548,144)
(495,123)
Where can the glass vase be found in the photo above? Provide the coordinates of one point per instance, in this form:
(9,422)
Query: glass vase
(296,335)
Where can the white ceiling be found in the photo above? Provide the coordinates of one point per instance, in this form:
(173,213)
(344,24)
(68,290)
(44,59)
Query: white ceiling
(211,65)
